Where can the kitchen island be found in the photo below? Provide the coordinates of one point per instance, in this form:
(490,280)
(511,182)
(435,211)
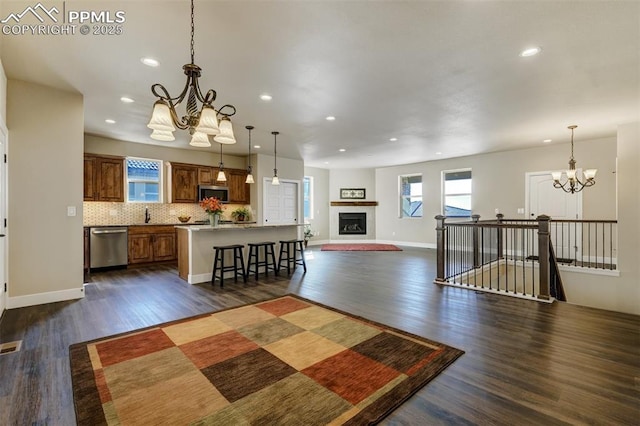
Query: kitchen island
(195,244)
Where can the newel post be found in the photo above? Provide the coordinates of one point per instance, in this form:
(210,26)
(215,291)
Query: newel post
(543,255)
(499,218)
(476,241)
(440,241)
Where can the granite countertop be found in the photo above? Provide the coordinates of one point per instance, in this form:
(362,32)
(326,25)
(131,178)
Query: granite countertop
(137,224)
(232,226)
(188,224)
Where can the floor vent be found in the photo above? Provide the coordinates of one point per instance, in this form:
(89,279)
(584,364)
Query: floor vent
(10,347)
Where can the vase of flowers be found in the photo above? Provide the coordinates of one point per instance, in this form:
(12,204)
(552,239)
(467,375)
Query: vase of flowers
(213,207)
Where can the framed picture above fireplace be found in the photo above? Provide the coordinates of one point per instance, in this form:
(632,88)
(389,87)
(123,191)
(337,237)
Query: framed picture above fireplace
(353,193)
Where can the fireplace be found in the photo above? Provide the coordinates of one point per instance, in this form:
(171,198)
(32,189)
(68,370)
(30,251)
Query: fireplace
(352,223)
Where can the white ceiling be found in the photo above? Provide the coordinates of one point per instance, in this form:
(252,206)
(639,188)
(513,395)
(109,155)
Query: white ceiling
(441,76)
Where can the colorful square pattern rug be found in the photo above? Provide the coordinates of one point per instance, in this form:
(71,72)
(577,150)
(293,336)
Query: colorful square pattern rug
(286,361)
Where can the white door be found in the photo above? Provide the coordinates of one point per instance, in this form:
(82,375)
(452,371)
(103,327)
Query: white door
(280,202)
(543,198)
(289,197)
(3,215)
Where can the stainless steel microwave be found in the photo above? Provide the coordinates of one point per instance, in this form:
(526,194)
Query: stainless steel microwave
(208,191)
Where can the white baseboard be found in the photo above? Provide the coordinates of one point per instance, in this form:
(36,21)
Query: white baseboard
(398,243)
(199,278)
(408,244)
(317,242)
(42,298)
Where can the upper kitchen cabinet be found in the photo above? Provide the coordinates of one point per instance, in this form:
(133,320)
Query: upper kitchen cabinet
(239,192)
(206,175)
(184,183)
(103,178)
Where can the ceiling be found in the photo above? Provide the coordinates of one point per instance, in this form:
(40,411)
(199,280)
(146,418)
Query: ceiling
(445,78)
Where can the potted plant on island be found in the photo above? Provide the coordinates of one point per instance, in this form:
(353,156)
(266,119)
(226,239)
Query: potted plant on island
(213,207)
(308,233)
(241,214)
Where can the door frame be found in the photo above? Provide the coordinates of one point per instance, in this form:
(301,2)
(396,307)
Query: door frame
(527,193)
(4,206)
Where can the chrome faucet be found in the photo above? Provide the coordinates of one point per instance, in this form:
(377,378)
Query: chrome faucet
(147,216)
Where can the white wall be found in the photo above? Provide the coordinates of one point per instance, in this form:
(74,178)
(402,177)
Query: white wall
(100,145)
(45,176)
(320,221)
(352,178)
(498,182)
(3,96)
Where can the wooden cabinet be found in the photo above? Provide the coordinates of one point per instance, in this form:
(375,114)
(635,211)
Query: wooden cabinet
(152,243)
(103,178)
(185,179)
(206,175)
(184,183)
(239,191)
(140,249)
(89,178)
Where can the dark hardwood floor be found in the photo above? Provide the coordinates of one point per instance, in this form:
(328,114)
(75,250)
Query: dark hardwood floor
(525,362)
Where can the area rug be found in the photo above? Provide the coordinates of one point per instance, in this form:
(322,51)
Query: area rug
(360,247)
(285,361)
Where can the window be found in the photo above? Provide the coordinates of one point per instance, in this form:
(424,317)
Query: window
(411,195)
(307,195)
(456,193)
(144,180)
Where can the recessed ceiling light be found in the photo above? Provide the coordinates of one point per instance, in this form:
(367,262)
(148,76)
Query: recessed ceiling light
(330,118)
(531,51)
(342,150)
(265,97)
(393,139)
(150,62)
(326,162)
(110,121)
(546,141)
(126,100)
(257,146)
(438,153)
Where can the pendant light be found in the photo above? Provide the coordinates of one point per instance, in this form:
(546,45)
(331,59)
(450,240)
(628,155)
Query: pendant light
(275,180)
(221,176)
(249,170)
(573,183)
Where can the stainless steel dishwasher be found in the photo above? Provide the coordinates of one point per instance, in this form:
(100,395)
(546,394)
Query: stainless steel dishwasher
(108,247)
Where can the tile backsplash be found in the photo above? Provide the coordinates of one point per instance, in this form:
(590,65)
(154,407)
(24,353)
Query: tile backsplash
(108,213)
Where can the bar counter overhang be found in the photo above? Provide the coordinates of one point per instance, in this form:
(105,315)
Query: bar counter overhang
(195,244)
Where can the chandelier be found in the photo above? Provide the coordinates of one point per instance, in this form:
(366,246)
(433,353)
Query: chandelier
(201,122)
(573,183)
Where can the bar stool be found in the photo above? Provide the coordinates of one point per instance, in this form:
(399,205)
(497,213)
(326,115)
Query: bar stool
(285,254)
(254,258)
(218,263)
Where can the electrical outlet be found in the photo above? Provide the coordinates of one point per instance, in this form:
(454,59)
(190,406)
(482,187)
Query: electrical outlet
(71,210)
(113,212)
(520,210)
(172,212)
(497,210)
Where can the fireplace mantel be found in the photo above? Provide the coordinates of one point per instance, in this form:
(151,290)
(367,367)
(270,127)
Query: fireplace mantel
(354,203)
